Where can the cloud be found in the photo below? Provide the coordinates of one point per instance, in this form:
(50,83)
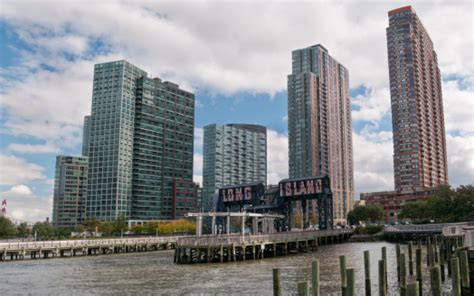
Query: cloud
(459,106)
(24,205)
(277,157)
(18,171)
(197,170)
(198,139)
(373,162)
(34,149)
(372,105)
(460,160)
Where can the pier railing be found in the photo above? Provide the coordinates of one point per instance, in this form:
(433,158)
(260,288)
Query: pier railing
(90,242)
(262,238)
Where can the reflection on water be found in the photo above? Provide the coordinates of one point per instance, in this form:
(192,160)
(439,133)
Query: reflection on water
(155,273)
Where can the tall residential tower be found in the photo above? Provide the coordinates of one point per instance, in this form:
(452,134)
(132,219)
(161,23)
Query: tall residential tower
(419,143)
(70,184)
(319,124)
(140,146)
(233,154)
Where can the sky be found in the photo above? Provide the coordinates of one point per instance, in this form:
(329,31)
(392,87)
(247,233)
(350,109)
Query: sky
(235,56)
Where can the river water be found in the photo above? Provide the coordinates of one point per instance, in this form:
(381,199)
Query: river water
(154,273)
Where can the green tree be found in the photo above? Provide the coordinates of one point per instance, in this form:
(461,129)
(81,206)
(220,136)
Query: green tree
(375,212)
(44,230)
(120,225)
(107,228)
(92,224)
(137,229)
(23,230)
(7,228)
(357,215)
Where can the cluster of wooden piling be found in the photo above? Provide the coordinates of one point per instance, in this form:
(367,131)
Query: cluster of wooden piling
(442,254)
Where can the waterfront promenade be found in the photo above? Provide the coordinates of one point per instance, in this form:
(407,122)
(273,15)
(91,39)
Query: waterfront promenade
(71,248)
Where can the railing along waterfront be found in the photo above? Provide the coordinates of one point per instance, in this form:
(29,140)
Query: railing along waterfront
(422,228)
(89,242)
(254,239)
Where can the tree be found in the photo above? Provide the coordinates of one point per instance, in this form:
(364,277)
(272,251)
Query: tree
(92,224)
(119,225)
(137,229)
(375,212)
(357,215)
(7,228)
(107,228)
(23,230)
(44,230)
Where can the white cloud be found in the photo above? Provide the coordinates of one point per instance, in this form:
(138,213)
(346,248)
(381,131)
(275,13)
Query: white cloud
(459,106)
(24,205)
(34,149)
(372,106)
(18,171)
(198,139)
(277,157)
(460,160)
(373,162)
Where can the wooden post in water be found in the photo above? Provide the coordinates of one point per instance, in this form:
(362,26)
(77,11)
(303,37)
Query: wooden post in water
(315,277)
(464,267)
(303,288)
(382,290)
(276,282)
(342,266)
(397,251)
(350,276)
(368,291)
(413,289)
(384,258)
(403,275)
(456,276)
(410,257)
(419,276)
(435,278)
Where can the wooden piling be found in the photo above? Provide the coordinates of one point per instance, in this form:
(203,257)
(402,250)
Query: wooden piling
(368,291)
(419,276)
(384,258)
(315,277)
(397,251)
(413,289)
(435,279)
(456,276)
(464,268)
(410,257)
(276,282)
(350,277)
(403,275)
(303,288)
(342,267)
(382,290)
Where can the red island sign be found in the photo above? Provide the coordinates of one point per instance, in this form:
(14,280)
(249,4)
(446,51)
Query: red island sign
(289,188)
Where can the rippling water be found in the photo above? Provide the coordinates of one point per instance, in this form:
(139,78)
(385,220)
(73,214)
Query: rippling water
(155,273)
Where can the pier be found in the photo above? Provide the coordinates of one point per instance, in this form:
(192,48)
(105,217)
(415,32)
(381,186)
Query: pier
(72,248)
(236,247)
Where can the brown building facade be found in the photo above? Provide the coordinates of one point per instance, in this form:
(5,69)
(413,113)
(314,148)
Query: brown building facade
(393,201)
(419,142)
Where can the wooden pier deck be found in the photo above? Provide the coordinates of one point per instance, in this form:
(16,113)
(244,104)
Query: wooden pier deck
(71,248)
(231,248)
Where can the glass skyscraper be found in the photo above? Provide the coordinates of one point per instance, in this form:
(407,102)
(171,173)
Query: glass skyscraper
(320,124)
(140,145)
(233,154)
(69,190)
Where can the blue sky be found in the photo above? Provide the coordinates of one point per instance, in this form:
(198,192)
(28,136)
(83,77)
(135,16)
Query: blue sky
(235,57)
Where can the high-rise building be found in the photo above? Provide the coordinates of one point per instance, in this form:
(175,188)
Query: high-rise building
(233,154)
(419,141)
(320,125)
(140,147)
(85,135)
(69,190)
